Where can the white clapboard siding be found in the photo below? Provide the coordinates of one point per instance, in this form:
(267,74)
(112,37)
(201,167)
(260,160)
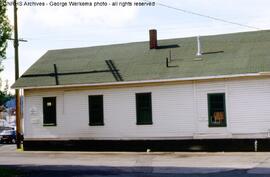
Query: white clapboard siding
(172,108)
(202,90)
(179,112)
(250,106)
(33,113)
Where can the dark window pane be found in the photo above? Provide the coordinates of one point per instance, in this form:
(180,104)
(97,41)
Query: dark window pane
(217,110)
(96,110)
(144,108)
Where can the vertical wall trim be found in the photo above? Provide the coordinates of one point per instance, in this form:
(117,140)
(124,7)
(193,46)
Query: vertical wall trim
(227,108)
(195,114)
(63,103)
(25,114)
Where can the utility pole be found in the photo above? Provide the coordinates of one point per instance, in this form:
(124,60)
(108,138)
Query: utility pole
(17,91)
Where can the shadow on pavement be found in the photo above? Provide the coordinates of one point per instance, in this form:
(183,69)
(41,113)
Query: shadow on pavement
(109,171)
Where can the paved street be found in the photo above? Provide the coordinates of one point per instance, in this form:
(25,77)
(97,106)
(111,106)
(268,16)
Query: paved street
(126,164)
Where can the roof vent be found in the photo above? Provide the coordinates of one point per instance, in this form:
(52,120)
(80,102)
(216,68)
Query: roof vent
(199,53)
(153,39)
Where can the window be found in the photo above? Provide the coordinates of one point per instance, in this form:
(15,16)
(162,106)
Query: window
(216,110)
(144,108)
(49,111)
(96,110)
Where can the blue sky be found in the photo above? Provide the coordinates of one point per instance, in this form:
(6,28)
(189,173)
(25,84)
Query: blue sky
(48,28)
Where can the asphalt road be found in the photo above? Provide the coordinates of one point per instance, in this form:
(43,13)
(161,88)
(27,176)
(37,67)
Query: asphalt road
(126,164)
(72,172)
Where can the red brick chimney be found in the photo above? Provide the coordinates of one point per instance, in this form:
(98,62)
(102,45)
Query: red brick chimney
(153,39)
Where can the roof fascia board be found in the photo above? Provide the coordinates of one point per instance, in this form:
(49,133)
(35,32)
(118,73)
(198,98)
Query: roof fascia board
(150,81)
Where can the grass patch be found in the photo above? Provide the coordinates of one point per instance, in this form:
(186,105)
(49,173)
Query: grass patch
(6,172)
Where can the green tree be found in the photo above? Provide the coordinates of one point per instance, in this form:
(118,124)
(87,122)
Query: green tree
(5,28)
(5,97)
(5,33)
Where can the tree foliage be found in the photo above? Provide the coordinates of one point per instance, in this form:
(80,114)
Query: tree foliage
(4,97)
(5,28)
(5,33)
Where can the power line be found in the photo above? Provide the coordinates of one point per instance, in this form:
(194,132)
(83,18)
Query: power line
(205,16)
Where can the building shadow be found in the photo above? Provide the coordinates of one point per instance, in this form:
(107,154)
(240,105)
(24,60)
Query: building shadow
(137,171)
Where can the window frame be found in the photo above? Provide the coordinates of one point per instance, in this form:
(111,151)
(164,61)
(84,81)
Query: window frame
(210,123)
(53,124)
(90,123)
(137,110)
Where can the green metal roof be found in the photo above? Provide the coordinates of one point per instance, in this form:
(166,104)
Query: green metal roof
(228,54)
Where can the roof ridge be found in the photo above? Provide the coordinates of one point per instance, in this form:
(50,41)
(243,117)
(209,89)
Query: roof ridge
(160,40)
